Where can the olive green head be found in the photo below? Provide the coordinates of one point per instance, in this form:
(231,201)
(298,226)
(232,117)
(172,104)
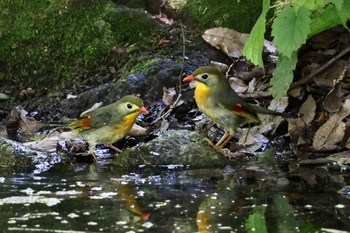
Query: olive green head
(210,76)
(130,104)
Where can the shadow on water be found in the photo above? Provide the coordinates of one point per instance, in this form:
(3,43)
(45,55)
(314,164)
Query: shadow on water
(248,198)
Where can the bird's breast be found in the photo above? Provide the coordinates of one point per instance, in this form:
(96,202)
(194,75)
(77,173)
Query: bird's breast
(201,95)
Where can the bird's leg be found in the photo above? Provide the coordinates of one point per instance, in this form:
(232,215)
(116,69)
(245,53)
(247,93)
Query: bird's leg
(222,139)
(228,138)
(209,141)
(246,135)
(115,148)
(92,152)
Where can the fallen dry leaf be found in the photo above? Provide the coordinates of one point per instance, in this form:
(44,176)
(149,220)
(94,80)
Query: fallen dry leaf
(332,102)
(49,143)
(296,131)
(238,85)
(26,94)
(222,67)
(252,86)
(227,40)
(332,132)
(168,95)
(307,110)
(96,105)
(164,125)
(137,130)
(270,122)
(340,157)
(254,73)
(252,139)
(298,127)
(297,92)
(334,72)
(21,127)
(231,42)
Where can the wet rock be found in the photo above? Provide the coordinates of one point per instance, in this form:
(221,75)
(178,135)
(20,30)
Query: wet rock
(148,84)
(173,147)
(14,155)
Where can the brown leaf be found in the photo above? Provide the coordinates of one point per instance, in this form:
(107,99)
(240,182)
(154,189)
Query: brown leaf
(298,127)
(252,139)
(307,110)
(238,85)
(21,126)
(137,130)
(332,102)
(340,157)
(231,42)
(168,95)
(227,40)
(297,92)
(272,122)
(222,67)
(327,77)
(332,132)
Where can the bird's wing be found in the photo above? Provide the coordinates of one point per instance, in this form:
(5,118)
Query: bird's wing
(92,120)
(230,100)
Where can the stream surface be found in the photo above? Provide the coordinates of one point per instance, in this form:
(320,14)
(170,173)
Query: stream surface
(248,198)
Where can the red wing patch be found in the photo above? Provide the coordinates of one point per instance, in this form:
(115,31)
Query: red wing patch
(82,123)
(85,122)
(239,109)
(244,112)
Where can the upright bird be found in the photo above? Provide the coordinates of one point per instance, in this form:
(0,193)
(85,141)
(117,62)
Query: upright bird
(216,99)
(110,123)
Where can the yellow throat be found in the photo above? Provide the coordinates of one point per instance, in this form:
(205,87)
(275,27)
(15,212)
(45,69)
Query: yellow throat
(126,123)
(201,94)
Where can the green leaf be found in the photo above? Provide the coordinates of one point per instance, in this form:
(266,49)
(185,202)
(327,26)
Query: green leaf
(338,4)
(3,96)
(328,18)
(290,29)
(256,221)
(254,46)
(305,3)
(283,75)
(343,11)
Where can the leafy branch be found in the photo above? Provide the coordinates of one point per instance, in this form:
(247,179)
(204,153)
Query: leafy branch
(293,25)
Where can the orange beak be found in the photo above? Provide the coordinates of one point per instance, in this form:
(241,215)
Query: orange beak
(143,110)
(189,78)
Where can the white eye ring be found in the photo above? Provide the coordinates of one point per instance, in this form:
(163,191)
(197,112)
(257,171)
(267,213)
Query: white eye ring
(129,106)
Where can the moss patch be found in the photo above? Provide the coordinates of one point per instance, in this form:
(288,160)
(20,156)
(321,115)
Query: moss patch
(204,14)
(46,43)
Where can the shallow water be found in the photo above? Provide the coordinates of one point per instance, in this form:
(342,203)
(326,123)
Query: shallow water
(251,197)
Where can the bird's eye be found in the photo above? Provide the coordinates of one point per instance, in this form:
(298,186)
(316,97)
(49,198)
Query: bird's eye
(204,76)
(129,106)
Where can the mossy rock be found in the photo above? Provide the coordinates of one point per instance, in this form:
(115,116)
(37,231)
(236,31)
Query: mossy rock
(173,147)
(131,25)
(47,43)
(204,14)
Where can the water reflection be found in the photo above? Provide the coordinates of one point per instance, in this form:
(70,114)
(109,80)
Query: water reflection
(249,198)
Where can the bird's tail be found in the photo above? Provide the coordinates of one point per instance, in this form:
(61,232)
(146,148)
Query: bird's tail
(262,110)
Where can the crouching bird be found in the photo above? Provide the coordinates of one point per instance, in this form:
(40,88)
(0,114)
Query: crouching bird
(216,99)
(110,123)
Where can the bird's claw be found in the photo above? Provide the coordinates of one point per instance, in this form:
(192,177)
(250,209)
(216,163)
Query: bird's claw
(225,151)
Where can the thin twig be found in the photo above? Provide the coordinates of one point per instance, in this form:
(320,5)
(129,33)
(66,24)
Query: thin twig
(166,114)
(321,68)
